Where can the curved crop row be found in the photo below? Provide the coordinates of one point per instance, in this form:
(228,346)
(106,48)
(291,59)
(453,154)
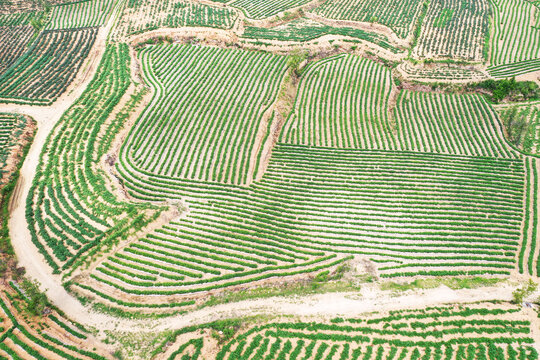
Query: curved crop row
(458,336)
(210,132)
(19,340)
(342,102)
(70,211)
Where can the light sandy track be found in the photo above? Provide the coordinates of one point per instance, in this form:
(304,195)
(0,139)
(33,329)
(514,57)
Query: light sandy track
(46,118)
(334,304)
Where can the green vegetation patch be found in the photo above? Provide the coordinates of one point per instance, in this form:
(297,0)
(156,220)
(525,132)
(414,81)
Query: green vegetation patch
(444,18)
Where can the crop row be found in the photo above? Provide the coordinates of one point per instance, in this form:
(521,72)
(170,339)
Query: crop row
(80,14)
(516,35)
(13,41)
(397,15)
(461,339)
(210,132)
(47,68)
(454,29)
(140,16)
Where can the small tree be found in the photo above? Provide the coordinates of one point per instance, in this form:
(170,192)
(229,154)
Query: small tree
(294,62)
(523,291)
(36,300)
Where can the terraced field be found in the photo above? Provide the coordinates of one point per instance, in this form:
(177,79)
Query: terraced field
(326,146)
(439,159)
(47,68)
(455,29)
(397,15)
(344,208)
(515,44)
(55,337)
(260,9)
(214,137)
(80,14)
(140,16)
(469,331)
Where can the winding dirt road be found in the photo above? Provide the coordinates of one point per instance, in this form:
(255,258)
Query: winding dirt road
(46,118)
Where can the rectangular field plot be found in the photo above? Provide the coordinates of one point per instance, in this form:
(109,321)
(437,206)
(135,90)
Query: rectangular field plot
(81,14)
(13,42)
(206,112)
(454,29)
(398,15)
(260,9)
(516,35)
(343,102)
(47,68)
(451,124)
(139,16)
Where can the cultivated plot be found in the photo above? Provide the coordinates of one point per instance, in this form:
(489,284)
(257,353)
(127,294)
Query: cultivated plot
(455,29)
(397,15)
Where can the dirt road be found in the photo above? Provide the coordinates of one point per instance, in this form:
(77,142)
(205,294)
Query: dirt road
(46,118)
